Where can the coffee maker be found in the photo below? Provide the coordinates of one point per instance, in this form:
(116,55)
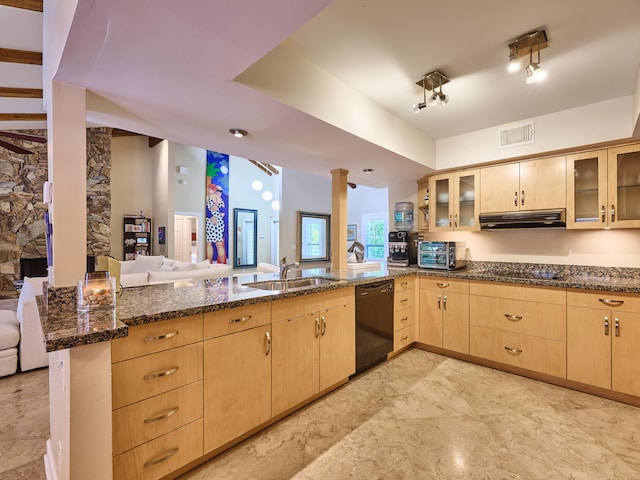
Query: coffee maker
(403,249)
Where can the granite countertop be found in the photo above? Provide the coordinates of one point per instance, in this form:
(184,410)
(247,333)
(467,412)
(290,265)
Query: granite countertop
(64,327)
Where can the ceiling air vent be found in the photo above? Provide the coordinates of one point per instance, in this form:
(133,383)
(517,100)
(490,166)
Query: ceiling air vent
(515,135)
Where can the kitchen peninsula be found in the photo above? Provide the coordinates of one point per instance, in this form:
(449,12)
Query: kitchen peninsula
(219,325)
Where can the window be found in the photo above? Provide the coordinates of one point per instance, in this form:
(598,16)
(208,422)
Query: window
(313,236)
(375,236)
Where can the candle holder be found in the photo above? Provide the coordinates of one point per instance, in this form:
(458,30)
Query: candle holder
(97,290)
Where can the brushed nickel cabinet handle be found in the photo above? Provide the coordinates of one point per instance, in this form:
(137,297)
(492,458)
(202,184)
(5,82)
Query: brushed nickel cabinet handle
(613,213)
(603,212)
(317,327)
(439,300)
(267,338)
(606,326)
(610,302)
(404,300)
(455,220)
(444,303)
(513,351)
(450,220)
(522,198)
(162,416)
(442,285)
(164,336)
(323,330)
(404,338)
(513,318)
(240,320)
(163,458)
(404,319)
(166,373)
(617,327)
(515,199)
(404,284)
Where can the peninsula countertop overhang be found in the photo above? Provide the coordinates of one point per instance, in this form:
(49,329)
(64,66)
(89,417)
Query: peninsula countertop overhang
(66,328)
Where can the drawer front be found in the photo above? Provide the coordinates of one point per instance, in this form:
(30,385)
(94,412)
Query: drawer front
(403,337)
(529,293)
(404,318)
(404,284)
(157,336)
(161,456)
(444,284)
(618,302)
(527,318)
(232,320)
(139,378)
(406,299)
(305,304)
(140,422)
(532,353)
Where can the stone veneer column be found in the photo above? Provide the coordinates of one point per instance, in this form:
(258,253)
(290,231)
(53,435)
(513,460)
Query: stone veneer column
(339,219)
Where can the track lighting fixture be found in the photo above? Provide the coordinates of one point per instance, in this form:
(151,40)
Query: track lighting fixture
(429,82)
(524,46)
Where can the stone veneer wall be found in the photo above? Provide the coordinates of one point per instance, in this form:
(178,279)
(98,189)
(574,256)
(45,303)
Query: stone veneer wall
(22,210)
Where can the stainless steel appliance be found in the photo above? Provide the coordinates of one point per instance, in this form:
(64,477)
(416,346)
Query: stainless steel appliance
(524,219)
(441,255)
(403,249)
(374,323)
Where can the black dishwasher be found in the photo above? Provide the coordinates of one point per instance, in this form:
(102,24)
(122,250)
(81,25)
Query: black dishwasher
(374,323)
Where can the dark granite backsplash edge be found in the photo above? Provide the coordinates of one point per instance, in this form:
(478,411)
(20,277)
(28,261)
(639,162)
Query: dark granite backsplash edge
(556,269)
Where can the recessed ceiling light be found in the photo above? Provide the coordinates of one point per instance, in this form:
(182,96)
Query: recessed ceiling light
(238,132)
(367,170)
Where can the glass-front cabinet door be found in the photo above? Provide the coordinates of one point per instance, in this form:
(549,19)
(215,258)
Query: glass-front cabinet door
(465,216)
(624,187)
(440,195)
(454,202)
(587,190)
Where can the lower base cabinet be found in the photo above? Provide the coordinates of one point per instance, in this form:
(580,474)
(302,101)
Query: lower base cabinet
(603,334)
(237,379)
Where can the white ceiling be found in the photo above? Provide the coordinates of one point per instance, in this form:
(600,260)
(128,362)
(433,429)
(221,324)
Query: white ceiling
(322,85)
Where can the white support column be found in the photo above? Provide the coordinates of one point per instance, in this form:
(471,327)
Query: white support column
(67,138)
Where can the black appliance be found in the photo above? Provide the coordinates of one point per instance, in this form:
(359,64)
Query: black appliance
(403,249)
(374,323)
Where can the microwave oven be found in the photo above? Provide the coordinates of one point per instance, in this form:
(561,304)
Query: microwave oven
(441,255)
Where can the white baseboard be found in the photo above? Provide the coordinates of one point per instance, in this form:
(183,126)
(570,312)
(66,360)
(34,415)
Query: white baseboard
(49,463)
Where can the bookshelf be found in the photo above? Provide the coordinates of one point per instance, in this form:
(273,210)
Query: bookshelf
(137,236)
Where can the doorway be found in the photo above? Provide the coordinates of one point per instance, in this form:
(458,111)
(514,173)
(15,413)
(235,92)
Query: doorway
(187,238)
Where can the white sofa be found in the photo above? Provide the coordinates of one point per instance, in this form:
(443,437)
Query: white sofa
(155,269)
(33,353)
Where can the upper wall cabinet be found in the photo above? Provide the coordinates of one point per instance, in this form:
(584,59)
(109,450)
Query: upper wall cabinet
(624,186)
(532,185)
(603,188)
(454,201)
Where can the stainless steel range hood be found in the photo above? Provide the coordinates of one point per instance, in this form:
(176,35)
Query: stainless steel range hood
(527,219)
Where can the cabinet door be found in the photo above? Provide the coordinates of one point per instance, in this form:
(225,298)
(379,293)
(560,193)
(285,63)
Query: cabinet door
(587,190)
(440,200)
(626,353)
(455,322)
(543,183)
(624,187)
(431,317)
(295,361)
(589,346)
(237,393)
(337,344)
(466,197)
(500,188)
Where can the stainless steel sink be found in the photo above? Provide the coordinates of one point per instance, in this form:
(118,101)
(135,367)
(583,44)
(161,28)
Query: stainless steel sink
(291,283)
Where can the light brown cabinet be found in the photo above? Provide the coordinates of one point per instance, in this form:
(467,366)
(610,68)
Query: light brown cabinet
(523,326)
(157,398)
(444,313)
(454,201)
(404,308)
(603,334)
(530,185)
(313,346)
(237,372)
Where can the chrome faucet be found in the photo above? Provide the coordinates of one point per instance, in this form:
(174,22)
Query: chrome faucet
(284,267)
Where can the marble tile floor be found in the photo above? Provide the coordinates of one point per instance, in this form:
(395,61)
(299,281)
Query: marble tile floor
(418,416)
